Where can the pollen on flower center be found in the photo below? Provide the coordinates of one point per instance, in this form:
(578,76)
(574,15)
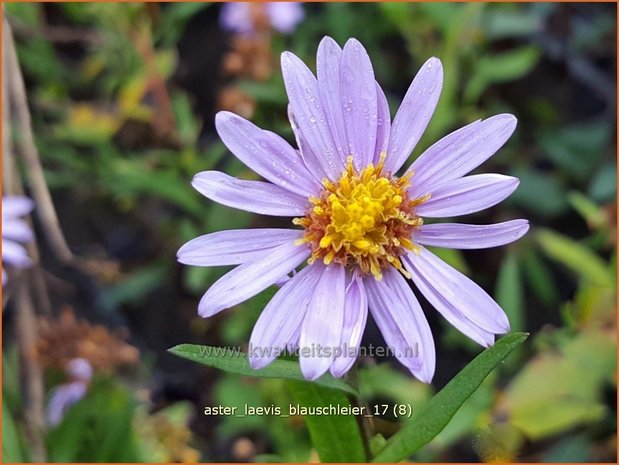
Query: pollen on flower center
(365,219)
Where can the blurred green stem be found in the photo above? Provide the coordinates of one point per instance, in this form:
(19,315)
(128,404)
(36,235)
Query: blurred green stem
(367,430)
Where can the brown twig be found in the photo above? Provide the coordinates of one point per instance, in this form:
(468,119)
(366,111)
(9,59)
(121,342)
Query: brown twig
(32,378)
(45,207)
(25,327)
(56,34)
(11,184)
(7,158)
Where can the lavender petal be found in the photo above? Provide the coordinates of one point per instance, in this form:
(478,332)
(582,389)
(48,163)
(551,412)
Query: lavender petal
(17,230)
(266,153)
(453,294)
(322,326)
(470,236)
(402,323)
(449,311)
(62,398)
(383,124)
(358,100)
(234,247)
(328,65)
(253,196)
(460,152)
(279,323)
(309,158)
(312,124)
(467,195)
(248,279)
(14,254)
(355,316)
(16,205)
(414,114)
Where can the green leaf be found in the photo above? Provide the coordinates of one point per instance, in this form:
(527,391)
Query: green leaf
(576,149)
(603,186)
(575,448)
(534,186)
(578,258)
(98,428)
(444,16)
(135,286)
(540,408)
(28,14)
(509,292)
(510,24)
(134,177)
(466,420)
(186,121)
(271,92)
(229,392)
(539,278)
(589,210)
(400,14)
(11,446)
(384,382)
(337,438)
(377,443)
(232,361)
(426,424)
(501,67)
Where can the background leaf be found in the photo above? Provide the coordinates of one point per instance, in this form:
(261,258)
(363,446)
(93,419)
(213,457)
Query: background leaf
(337,438)
(426,424)
(509,292)
(499,68)
(11,446)
(582,364)
(236,362)
(578,258)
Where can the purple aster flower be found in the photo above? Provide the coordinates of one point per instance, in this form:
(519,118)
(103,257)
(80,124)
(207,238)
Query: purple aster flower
(362,234)
(240,18)
(14,232)
(68,394)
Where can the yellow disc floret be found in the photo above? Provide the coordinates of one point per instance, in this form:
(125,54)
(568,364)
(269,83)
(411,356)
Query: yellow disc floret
(365,219)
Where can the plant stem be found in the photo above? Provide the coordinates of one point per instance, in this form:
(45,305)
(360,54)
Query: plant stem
(32,377)
(364,422)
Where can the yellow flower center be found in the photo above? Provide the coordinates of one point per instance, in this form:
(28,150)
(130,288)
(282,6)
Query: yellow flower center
(365,219)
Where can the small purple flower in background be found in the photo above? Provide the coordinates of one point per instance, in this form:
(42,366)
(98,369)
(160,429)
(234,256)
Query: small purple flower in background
(285,16)
(241,17)
(66,395)
(363,231)
(15,232)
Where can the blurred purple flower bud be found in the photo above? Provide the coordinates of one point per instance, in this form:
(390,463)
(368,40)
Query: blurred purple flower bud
(68,394)
(15,232)
(283,16)
(79,370)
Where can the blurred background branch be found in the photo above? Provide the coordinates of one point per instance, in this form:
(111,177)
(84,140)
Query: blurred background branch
(112,112)
(28,149)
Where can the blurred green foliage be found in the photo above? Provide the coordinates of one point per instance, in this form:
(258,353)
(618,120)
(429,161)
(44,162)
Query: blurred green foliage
(118,132)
